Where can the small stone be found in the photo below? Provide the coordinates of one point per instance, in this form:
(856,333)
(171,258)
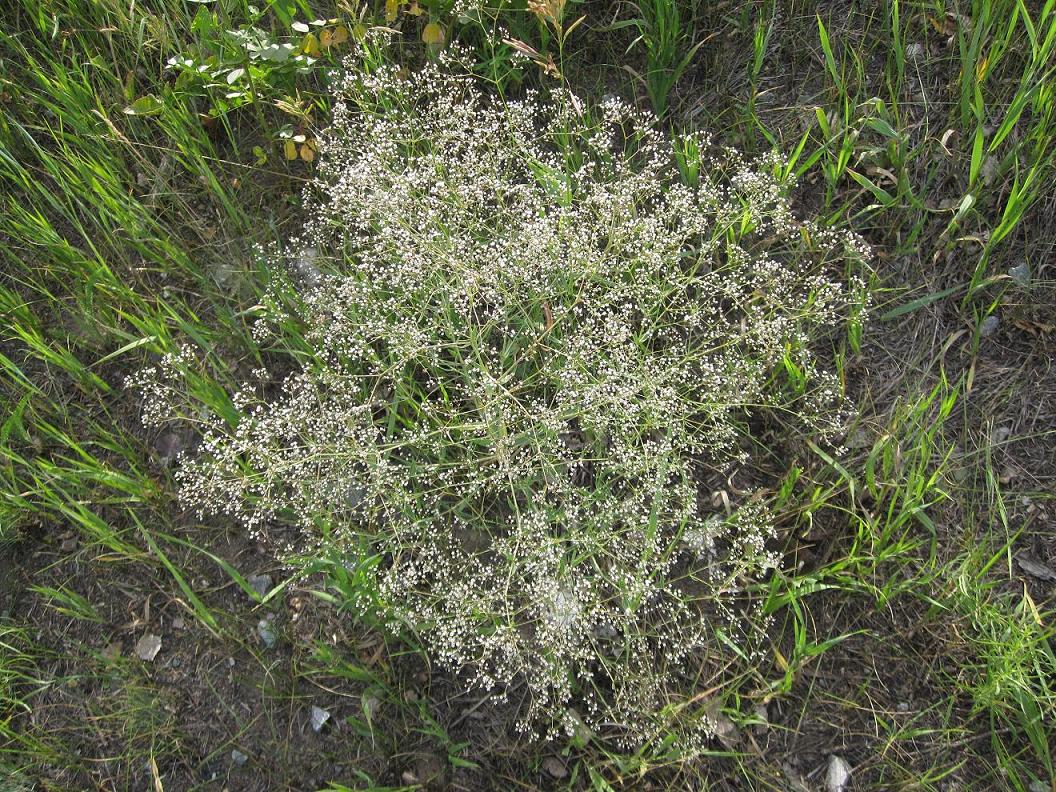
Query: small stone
(355,497)
(859,438)
(238,759)
(1000,434)
(988,170)
(554,767)
(903,706)
(267,632)
(762,716)
(230,662)
(914,50)
(68,545)
(428,769)
(837,775)
(1020,274)
(319,718)
(178,623)
(175,662)
(989,326)
(304,268)
(147,647)
(261,584)
(581,732)
(168,447)
(371,705)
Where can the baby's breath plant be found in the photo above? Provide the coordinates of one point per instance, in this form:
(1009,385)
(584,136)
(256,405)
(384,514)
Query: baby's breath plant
(534,347)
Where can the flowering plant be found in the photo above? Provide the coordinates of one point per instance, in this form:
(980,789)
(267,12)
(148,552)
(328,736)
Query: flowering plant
(536,332)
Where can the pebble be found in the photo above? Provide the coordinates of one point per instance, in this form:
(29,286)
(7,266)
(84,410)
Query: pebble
(168,447)
(261,584)
(371,705)
(554,767)
(1020,274)
(319,718)
(914,50)
(267,632)
(838,774)
(147,647)
(238,759)
(989,326)
(763,717)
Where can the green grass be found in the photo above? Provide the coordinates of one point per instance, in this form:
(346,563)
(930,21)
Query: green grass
(927,126)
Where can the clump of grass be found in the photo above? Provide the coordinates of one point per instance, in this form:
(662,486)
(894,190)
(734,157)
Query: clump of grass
(532,346)
(665,33)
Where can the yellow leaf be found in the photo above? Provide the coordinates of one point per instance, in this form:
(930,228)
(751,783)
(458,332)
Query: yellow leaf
(310,45)
(781,661)
(433,34)
(392,8)
(980,68)
(307,153)
(340,35)
(290,149)
(326,38)
(1029,603)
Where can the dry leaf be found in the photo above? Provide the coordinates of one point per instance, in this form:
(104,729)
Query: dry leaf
(1035,568)
(1034,328)
(290,149)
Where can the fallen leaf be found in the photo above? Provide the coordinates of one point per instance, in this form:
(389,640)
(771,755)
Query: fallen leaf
(1035,568)
(1034,328)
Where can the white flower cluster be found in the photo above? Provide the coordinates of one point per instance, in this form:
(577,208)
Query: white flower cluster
(532,346)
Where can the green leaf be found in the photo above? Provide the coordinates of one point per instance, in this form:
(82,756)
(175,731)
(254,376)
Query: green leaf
(884,128)
(920,302)
(145,106)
